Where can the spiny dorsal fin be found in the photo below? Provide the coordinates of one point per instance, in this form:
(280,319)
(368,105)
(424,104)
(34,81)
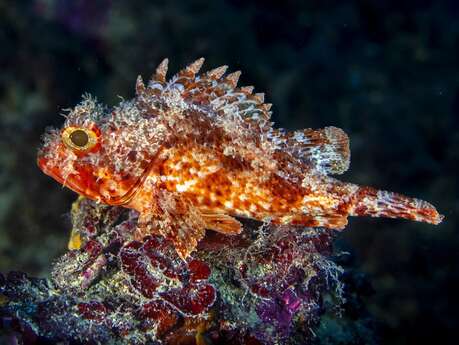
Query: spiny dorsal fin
(212,89)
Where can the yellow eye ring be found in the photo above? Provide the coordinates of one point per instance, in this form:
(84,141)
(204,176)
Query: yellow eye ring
(79,139)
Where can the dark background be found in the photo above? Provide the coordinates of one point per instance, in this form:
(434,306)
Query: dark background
(387,72)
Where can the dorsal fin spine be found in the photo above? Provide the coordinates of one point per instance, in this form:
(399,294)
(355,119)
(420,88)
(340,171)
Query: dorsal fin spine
(195,66)
(213,88)
(139,86)
(233,78)
(217,73)
(161,71)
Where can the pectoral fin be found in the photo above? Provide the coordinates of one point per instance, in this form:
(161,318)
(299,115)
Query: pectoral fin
(174,217)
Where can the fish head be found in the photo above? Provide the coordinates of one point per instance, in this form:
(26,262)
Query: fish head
(96,153)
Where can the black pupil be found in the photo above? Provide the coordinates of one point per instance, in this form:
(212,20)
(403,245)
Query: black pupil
(79,138)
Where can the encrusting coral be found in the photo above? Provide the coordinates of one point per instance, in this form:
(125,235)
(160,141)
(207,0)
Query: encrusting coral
(264,286)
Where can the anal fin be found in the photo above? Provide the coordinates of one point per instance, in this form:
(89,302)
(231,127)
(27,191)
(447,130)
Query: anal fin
(329,221)
(222,223)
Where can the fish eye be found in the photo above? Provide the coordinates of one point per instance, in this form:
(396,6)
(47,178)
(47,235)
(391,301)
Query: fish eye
(79,139)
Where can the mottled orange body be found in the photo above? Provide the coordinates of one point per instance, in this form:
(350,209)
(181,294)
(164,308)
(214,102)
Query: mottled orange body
(194,152)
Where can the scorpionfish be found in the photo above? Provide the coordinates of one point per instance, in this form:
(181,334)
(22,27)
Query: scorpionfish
(196,151)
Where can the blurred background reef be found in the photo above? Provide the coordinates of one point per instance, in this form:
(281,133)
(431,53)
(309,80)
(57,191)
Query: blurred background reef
(384,71)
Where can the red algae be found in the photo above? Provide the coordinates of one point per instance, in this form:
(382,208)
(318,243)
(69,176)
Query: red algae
(92,311)
(155,273)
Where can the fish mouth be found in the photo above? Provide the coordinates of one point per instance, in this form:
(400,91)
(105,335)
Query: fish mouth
(83,187)
(69,182)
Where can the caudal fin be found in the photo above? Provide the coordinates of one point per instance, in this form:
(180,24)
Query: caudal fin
(376,203)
